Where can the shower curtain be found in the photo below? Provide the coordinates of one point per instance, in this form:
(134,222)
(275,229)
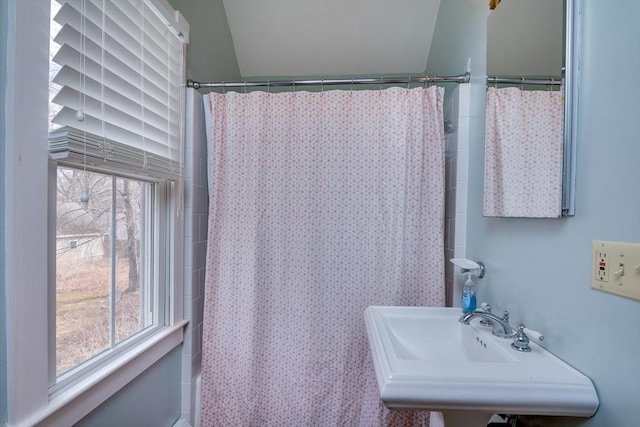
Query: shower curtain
(321,204)
(523,153)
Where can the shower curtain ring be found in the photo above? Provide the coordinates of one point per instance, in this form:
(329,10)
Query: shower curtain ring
(224,89)
(245,86)
(408,81)
(268,86)
(322,85)
(521,83)
(351,84)
(381,80)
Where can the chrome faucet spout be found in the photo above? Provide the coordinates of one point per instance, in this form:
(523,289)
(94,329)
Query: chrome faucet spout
(501,327)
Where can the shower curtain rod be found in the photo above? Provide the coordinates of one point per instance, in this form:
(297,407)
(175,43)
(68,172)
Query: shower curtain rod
(462,78)
(550,81)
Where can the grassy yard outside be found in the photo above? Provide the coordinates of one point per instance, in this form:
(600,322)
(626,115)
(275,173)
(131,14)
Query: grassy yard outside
(83,309)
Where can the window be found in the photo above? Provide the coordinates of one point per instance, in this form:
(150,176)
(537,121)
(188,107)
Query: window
(115,133)
(29,237)
(105,276)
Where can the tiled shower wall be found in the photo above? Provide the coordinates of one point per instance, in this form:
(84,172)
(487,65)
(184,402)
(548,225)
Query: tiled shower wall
(195,246)
(456,111)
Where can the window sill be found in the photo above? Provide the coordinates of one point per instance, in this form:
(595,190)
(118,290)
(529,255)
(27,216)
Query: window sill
(79,400)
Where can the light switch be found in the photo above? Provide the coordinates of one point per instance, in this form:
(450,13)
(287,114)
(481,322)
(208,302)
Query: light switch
(615,268)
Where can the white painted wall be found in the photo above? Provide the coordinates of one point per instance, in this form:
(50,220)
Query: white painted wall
(210,54)
(3,342)
(539,269)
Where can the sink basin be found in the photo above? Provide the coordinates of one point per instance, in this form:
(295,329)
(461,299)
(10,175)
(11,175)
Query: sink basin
(425,359)
(434,337)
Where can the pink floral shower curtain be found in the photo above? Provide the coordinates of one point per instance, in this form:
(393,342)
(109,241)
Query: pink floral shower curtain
(321,204)
(523,153)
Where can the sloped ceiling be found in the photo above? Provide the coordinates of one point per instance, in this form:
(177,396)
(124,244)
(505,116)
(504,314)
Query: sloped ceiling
(331,37)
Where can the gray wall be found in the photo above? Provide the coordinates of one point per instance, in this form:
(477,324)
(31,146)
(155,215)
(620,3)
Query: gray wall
(210,55)
(525,38)
(151,400)
(3,355)
(459,37)
(539,269)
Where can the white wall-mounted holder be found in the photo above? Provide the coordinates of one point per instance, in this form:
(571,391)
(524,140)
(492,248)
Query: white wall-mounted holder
(469,267)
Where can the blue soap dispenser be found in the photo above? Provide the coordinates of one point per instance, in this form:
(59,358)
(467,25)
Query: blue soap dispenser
(468,302)
(468,267)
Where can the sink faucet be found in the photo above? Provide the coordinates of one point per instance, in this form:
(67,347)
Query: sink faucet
(501,327)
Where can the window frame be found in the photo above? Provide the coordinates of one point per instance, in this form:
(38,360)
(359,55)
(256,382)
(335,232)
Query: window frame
(159,274)
(27,220)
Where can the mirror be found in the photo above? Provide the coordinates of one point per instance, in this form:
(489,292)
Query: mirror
(529,146)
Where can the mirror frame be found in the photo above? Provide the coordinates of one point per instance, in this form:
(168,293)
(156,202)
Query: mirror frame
(571,86)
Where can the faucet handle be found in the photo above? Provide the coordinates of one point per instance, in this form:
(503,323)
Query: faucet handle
(487,308)
(521,340)
(535,335)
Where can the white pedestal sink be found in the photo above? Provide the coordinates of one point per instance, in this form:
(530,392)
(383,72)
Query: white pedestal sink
(425,359)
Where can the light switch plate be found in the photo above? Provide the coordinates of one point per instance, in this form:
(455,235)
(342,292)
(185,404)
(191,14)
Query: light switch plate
(615,268)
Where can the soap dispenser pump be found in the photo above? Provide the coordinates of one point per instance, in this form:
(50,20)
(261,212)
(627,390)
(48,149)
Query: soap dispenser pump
(468,267)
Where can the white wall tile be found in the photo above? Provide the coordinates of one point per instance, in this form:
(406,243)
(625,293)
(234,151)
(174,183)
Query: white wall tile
(203,228)
(462,166)
(186,394)
(463,93)
(204,177)
(188,256)
(460,229)
(187,344)
(197,311)
(197,359)
(463,133)
(186,365)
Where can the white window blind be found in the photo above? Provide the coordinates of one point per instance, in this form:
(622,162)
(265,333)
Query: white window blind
(121,66)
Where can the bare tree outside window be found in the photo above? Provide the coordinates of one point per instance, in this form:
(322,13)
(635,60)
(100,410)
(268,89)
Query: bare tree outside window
(98,298)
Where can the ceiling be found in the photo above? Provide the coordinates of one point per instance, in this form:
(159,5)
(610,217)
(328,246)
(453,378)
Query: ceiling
(331,37)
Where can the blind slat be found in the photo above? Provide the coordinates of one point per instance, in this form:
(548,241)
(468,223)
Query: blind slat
(73,144)
(122,30)
(154,127)
(119,61)
(129,95)
(126,73)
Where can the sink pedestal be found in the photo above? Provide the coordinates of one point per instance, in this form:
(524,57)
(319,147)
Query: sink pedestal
(466,418)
